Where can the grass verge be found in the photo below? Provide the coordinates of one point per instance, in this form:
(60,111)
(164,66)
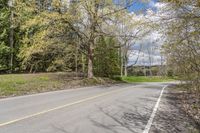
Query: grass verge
(132,79)
(23,84)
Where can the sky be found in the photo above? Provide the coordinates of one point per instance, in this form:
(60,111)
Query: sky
(140,6)
(137,5)
(142,9)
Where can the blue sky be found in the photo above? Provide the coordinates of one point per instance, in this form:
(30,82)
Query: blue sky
(140,6)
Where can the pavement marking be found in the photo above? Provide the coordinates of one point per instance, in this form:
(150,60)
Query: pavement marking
(60,107)
(150,121)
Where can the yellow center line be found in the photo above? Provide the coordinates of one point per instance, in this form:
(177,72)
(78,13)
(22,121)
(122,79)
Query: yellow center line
(59,107)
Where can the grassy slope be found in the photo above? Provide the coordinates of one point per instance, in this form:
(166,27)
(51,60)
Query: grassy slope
(25,83)
(146,79)
(21,84)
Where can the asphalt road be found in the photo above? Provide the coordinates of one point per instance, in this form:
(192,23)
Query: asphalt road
(124,108)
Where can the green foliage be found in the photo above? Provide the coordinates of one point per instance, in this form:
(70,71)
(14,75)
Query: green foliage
(4,57)
(52,41)
(183,45)
(47,44)
(55,36)
(143,70)
(46,54)
(4,31)
(106,58)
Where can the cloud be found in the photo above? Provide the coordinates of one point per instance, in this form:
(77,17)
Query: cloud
(145,59)
(153,41)
(152,3)
(147,47)
(160,5)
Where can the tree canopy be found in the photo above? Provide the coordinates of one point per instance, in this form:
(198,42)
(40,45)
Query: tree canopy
(45,35)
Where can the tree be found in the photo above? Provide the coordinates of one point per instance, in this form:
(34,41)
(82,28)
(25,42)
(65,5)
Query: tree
(94,16)
(4,35)
(48,27)
(182,40)
(106,63)
(48,42)
(130,33)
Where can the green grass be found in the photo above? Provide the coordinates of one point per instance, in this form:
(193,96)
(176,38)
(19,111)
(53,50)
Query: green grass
(22,84)
(19,84)
(132,79)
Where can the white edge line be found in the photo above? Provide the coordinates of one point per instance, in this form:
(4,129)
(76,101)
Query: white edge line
(150,121)
(62,106)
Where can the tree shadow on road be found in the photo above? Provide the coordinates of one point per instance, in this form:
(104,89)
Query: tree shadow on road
(128,118)
(170,117)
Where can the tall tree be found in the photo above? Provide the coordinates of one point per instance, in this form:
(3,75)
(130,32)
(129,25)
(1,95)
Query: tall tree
(93,15)
(106,63)
(11,32)
(76,27)
(182,39)
(4,35)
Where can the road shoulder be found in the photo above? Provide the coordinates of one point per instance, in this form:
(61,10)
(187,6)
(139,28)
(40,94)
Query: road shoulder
(171,118)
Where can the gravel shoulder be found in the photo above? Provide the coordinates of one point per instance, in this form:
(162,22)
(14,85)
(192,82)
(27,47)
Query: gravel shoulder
(172,117)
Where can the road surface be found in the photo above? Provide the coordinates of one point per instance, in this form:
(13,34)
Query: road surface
(123,108)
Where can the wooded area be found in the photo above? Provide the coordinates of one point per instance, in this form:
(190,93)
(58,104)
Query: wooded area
(80,36)
(94,37)
(182,44)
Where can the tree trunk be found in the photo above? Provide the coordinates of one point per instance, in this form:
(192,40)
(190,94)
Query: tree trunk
(90,61)
(122,61)
(144,67)
(145,72)
(125,69)
(83,64)
(76,61)
(11,40)
(150,62)
(125,65)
